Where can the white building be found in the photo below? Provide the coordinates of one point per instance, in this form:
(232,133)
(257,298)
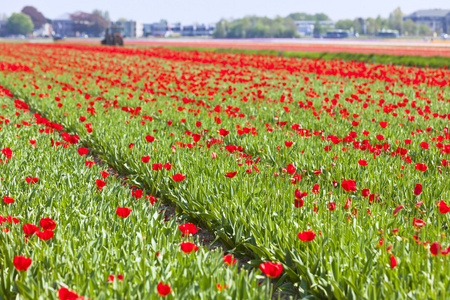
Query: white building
(306,28)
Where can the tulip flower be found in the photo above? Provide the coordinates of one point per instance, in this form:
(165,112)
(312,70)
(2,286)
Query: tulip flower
(123,212)
(271,269)
(163,289)
(22,263)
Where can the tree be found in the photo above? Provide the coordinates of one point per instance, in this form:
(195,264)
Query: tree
(36,16)
(344,24)
(317,31)
(104,14)
(93,24)
(395,20)
(19,23)
(307,17)
(409,28)
(220,31)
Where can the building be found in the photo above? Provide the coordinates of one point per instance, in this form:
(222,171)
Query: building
(306,28)
(131,29)
(437,19)
(3,30)
(156,29)
(387,34)
(64,26)
(337,34)
(44,31)
(197,30)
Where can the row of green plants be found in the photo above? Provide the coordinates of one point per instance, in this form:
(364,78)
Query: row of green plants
(400,60)
(69,228)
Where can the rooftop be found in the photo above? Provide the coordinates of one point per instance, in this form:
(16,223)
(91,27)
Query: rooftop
(429,13)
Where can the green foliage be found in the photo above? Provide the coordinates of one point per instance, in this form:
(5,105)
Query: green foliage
(19,23)
(309,17)
(256,27)
(90,241)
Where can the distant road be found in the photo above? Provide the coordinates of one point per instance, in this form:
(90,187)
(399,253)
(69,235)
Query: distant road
(364,46)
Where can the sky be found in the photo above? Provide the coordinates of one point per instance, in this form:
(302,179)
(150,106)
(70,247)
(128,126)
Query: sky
(211,11)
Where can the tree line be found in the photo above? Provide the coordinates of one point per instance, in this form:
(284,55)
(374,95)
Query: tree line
(284,27)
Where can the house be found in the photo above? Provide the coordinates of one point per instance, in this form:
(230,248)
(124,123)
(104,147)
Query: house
(64,26)
(130,28)
(156,29)
(3,30)
(197,30)
(437,19)
(306,28)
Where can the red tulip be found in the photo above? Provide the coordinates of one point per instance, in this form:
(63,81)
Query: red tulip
(298,203)
(149,138)
(315,189)
(424,145)
(187,229)
(22,263)
(307,236)
(435,248)
(146,159)
(393,262)
(83,151)
(123,212)
(271,269)
(29,229)
(137,194)
(100,184)
(331,206)
(231,174)
(104,174)
(445,163)
(157,167)
(418,189)
(223,132)
(188,247)
(365,192)
(418,223)
(349,185)
(178,177)
(362,162)
(45,235)
(8,200)
(47,223)
(288,143)
(443,207)
(89,164)
(300,195)
(163,289)
(290,169)
(397,209)
(348,203)
(32,180)
(229,260)
(65,294)
(421,167)
(7,152)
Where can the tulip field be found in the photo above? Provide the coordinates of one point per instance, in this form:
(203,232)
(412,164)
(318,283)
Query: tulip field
(321,179)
